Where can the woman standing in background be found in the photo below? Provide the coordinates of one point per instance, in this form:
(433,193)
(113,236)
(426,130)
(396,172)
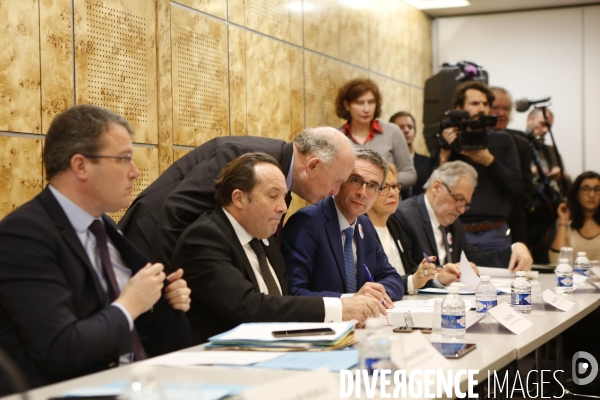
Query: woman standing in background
(359,102)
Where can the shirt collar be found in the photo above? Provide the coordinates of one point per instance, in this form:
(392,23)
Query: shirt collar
(242,234)
(80,220)
(432,217)
(288,178)
(342,220)
(375,128)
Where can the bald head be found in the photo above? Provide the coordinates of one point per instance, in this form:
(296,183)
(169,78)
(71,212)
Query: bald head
(323,160)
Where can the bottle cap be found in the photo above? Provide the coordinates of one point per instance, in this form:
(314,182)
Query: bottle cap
(563,261)
(521,273)
(452,289)
(373,323)
(581,254)
(484,278)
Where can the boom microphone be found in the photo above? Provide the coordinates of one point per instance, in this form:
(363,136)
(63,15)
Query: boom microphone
(524,104)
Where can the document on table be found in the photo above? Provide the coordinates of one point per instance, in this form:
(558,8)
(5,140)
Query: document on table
(468,277)
(419,306)
(263,332)
(309,360)
(181,359)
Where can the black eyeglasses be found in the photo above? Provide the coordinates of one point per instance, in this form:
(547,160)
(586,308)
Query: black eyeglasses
(126,158)
(356,182)
(395,187)
(460,201)
(586,190)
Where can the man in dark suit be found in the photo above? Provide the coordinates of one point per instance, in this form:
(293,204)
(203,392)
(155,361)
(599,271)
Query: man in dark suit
(314,165)
(423,164)
(232,262)
(328,247)
(431,222)
(75,296)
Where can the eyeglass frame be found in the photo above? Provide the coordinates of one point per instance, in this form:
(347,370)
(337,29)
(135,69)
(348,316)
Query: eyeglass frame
(586,190)
(363,183)
(466,205)
(128,157)
(385,189)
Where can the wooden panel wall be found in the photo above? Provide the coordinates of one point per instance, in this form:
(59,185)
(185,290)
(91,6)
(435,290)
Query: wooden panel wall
(185,71)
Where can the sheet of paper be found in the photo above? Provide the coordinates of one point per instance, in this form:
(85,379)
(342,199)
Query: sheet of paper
(412,351)
(595,270)
(468,277)
(557,300)
(311,360)
(504,273)
(512,320)
(463,290)
(315,385)
(181,359)
(264,331)
(578,280)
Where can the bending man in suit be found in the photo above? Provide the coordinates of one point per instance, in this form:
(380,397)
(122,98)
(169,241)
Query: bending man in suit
(75,296)
(431,222)
(329,246)
(314,166)
(232,262)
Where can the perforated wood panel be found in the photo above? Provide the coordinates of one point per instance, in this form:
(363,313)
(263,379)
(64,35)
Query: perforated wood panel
(178,153)
(420,47)
(20,67)
(115,59)
(146,160)
(237,81)
(321,26)
(218,8)
(321,76)
(20,171)
(395,96)
(200,100)
(165,87)
(56,54)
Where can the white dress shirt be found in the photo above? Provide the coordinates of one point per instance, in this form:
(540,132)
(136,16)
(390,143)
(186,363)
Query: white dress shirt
(333,306)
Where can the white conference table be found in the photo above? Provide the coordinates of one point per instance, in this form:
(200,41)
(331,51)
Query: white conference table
(495,350)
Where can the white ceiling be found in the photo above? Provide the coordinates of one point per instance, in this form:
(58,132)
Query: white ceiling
(490,6)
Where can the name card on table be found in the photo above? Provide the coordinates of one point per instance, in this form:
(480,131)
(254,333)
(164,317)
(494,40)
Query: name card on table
(510,319)
(557,301)
(315,385)
(578,280)
(413,352)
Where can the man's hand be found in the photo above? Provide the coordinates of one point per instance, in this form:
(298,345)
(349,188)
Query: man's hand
(360,308)
(483,157)
(143,290)
(449,274)
(520,259)
(178,293)
(425,272)
(376,291)
(450,134)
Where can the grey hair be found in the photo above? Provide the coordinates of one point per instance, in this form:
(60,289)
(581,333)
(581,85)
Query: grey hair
(310,141)
(451,172)
(503,91)
(537,111)
(374,158)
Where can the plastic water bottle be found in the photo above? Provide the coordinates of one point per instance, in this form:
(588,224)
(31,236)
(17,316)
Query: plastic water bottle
(375,348)
(520,297)
(582,264)
(564,276)
(486,296)
(454,321)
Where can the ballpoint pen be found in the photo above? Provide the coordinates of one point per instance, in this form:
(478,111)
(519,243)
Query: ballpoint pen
(370,277)
(426,273)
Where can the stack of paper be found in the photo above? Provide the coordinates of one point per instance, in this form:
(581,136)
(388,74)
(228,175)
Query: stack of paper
(259,337)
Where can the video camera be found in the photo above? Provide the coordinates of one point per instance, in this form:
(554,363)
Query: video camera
(472,133)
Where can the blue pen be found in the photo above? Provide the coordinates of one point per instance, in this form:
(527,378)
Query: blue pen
(368,273)
(427,258)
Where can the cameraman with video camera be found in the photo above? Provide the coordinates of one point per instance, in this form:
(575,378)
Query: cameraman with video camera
(466,136)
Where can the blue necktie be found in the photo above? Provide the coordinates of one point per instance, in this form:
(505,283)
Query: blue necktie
(349,261)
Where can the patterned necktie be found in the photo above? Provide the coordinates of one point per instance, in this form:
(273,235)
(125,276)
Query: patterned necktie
(445,240)
(259,250)
(97,228)
(349,260)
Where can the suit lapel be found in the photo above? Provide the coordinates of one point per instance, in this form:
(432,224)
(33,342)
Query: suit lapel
(223,222)
(332,228)
(427,224)
(70,237)
(132,258)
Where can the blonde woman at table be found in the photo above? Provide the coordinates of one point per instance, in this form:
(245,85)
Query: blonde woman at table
(359,102)
(579,218)
(391,237)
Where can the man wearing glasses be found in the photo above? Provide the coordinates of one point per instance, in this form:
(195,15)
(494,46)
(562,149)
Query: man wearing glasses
(331,248)
(431,222)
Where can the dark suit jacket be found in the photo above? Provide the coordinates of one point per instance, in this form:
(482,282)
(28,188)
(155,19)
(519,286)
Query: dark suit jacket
(424,167)
(517,218)
(225,292)
(159,214)
(55,318)
(314,255)
(414,219)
